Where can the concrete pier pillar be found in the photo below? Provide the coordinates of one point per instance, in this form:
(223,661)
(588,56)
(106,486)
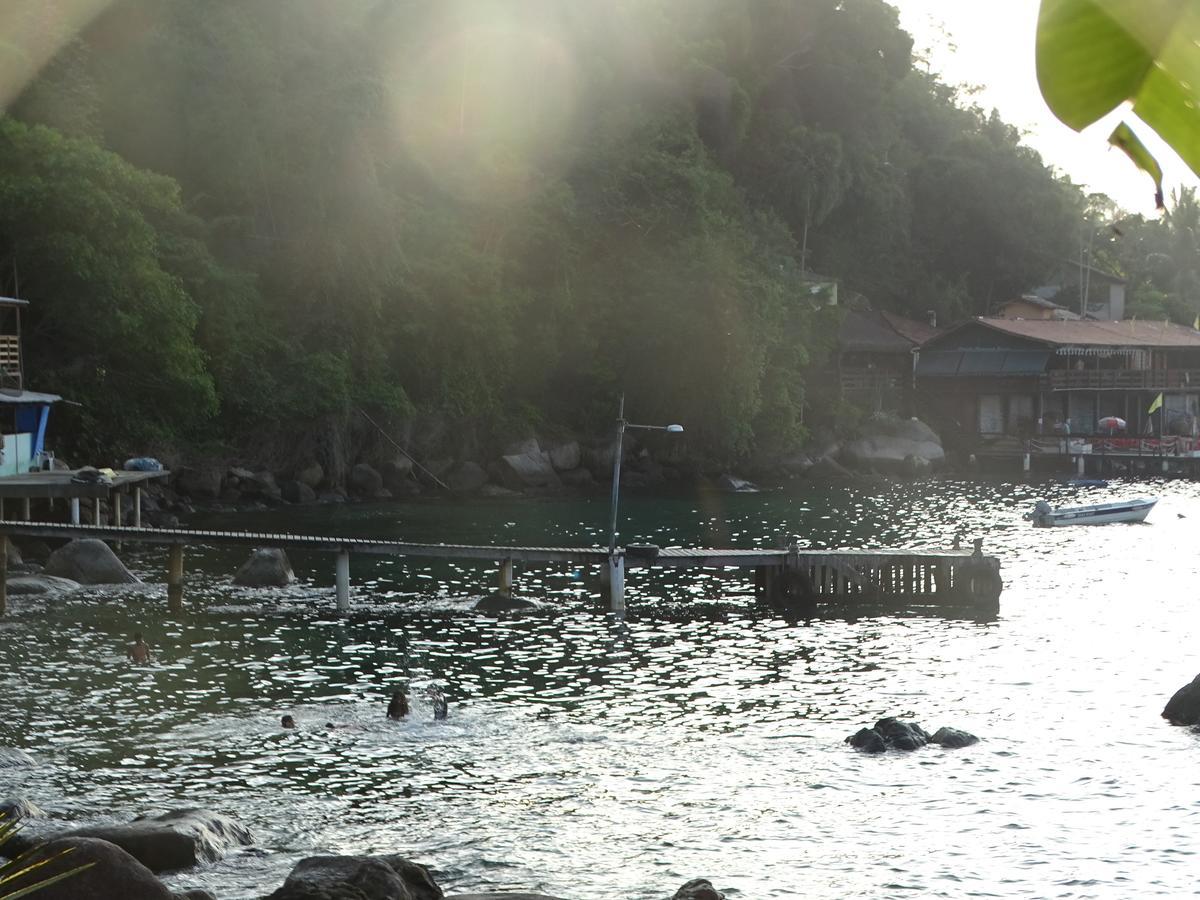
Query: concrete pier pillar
(27,509)
(175,578)
(342,580)
(114,508)
(506,579)
(1080,464)
(1026,462)
(75,511)
(616,582)
(137,507)
(3,576)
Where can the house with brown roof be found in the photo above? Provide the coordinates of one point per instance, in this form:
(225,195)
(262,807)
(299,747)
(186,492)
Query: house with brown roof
(873,365)
(992,378)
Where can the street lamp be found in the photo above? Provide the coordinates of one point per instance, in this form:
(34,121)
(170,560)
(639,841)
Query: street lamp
(616,479)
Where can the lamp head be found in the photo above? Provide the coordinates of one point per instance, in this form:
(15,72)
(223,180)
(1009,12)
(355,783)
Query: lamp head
(675,429)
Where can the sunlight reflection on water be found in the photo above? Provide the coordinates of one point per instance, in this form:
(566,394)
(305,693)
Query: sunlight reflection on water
(703,737)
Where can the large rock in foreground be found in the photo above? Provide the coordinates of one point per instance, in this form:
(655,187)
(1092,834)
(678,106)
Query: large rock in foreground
(358,878)
(1184,706)
(266,567)
(89,561)
(113,873)
(174,840)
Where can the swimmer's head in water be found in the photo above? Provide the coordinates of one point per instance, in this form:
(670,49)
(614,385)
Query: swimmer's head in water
(137,637)
(287,722)
(398,708)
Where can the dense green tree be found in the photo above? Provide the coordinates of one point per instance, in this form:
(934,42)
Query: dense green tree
(491,215)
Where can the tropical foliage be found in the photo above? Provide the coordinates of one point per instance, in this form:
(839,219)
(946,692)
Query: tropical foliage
(469,218)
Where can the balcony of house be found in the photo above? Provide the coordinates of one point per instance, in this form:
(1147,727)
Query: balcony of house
(1120,379)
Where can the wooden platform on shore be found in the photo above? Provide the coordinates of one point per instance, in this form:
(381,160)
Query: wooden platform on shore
(59,485)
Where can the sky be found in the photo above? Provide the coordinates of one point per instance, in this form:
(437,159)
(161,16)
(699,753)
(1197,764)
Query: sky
(990,44)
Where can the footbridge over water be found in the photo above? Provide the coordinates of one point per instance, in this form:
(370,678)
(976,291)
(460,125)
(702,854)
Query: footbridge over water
(789,577)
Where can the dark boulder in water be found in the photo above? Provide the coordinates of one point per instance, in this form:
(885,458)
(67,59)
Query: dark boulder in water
(266,567)
(1184,706)
(895,734)
(174,840)
(498,603)
(698,889)
(952,738)
(358,877)
(88,561)
(112,874)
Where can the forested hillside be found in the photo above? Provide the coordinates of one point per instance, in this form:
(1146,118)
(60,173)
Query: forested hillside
(237,222)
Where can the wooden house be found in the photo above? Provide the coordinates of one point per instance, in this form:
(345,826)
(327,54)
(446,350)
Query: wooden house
(989,378)
(873,366)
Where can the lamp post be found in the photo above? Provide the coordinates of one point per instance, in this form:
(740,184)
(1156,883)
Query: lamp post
(616,562)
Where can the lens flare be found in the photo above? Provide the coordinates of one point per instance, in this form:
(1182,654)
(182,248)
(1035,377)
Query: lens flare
(487,107)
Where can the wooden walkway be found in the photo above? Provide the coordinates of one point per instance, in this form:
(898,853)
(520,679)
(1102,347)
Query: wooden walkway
(787,576)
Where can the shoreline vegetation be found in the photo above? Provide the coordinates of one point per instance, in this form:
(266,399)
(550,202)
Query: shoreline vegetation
(473,230)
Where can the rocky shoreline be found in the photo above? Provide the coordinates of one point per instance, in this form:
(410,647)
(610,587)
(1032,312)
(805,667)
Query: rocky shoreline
(123,862)
(529,468)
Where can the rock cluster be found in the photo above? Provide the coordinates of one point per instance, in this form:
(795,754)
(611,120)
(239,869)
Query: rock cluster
(896,734)
(121,862)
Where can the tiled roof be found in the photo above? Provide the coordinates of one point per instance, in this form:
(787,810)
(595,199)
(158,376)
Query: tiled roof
(916,331)
(1126,333)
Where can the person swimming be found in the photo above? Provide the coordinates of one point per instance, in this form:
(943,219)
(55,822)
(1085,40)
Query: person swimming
(287,722)
(441,708)
(398,708)
(139,651)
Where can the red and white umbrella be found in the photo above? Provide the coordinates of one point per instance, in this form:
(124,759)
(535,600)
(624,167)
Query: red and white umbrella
(1112,423)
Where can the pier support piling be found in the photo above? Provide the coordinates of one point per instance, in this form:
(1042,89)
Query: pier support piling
(75,511)
(175,578)
(616,582)
(342,580)
(506,579)
(114,509)
(137,507)
(3,576)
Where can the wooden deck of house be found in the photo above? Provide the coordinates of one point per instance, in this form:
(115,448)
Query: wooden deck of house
(790,576)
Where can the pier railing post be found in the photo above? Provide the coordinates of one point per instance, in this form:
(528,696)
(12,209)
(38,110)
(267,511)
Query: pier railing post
(506,578)
(3,575)
(616,582)
(175,578)
(342,580)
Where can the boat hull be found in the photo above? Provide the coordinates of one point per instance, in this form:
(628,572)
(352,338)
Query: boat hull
(1100,514)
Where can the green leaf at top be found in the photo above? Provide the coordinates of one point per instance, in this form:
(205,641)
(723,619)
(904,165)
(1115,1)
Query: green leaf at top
(1093,55)
(1124,138)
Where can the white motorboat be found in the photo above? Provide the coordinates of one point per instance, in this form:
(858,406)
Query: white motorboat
(1045,516)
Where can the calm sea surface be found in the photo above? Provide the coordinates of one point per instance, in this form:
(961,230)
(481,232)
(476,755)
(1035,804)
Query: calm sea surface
(588,758)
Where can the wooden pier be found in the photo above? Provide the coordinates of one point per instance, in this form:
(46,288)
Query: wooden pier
(790,577)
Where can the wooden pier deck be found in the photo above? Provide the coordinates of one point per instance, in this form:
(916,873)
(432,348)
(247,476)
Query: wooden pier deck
(790,575)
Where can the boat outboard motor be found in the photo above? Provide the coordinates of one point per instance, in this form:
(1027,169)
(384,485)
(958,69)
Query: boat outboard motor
(1041,509)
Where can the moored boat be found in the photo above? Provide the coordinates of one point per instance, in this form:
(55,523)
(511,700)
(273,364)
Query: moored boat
(1045,516)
